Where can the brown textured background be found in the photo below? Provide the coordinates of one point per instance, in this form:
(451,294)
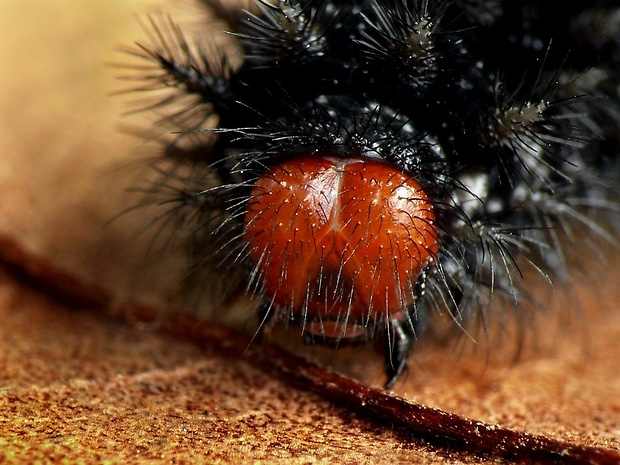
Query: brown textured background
(78,385)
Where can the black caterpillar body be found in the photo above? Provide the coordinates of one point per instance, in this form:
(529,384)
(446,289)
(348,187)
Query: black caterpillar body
(507,114)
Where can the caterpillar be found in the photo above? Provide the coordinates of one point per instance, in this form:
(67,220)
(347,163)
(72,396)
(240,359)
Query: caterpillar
(367,168)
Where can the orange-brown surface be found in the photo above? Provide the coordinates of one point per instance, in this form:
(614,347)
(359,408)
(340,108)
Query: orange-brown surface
(77,385)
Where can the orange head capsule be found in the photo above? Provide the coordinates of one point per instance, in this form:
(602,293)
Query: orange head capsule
(339,243)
